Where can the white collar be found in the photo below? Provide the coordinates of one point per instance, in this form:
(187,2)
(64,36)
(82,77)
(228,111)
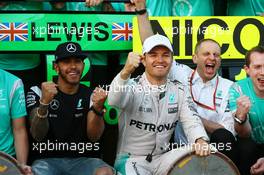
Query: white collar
(197,79)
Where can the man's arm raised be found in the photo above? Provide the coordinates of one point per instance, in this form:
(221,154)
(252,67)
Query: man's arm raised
(39,121)
(95,121)
(144,26)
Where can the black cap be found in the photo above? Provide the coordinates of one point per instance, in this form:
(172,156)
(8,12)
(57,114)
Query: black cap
(69,49)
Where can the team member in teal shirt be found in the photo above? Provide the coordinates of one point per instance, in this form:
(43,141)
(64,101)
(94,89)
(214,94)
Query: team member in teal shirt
(246,104)
(154,7)
(20,5)
(25,66)
(158,8)
(90,5)
(245,7)
(13,133)
(192,8)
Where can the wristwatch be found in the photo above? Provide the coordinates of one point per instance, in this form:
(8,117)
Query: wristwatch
(140,12)
(98,113)
(239,121)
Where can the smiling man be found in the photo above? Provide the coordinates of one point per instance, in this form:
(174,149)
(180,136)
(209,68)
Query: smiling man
(208,89)
(63,122)
(150,107)
(246,103)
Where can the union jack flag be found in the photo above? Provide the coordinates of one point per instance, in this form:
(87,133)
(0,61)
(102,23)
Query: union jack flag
(122,32)
(13,31)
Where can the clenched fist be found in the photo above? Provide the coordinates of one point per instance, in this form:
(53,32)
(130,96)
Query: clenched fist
(243,107)
(258,167)
(49,90)
(133,61)
(98,98)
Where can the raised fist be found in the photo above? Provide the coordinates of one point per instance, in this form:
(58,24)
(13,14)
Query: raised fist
(98,98)
(243,107)
(49,90)
(133,61)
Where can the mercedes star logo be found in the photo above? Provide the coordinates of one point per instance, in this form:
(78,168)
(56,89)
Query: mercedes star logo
(54,104)
(71,48)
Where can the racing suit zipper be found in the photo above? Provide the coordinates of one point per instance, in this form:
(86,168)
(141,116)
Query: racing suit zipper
(149,156)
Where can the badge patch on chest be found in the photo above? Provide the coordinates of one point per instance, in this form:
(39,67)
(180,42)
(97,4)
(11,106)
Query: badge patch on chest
(219,93)
(172,110)
(79,105)
(54,104)
(143,109)
(172,99)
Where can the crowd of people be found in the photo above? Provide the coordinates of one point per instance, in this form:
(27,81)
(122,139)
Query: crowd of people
(168,102)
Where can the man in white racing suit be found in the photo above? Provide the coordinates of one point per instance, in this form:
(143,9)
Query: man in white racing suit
(208,90)
(150,106)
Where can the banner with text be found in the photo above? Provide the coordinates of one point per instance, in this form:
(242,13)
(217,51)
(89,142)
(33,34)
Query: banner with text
(235,35)
(43,32)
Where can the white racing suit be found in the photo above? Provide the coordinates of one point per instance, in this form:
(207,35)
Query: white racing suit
(148,116)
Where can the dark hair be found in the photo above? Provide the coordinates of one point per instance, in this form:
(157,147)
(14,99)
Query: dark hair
(259,49)
(199,43)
